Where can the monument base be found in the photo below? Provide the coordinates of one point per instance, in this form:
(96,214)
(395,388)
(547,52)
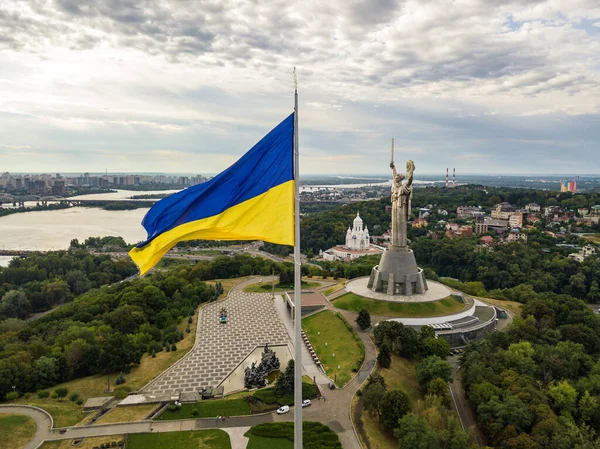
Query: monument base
(397,274)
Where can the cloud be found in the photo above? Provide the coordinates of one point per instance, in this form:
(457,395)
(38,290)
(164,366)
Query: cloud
(444,78)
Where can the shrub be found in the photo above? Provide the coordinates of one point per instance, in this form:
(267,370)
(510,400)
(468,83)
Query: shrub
(27,395)
(173,347)
(79,402)
(54,395)
(120,379)
(43,394)
(195,412)
(74,397)
(13,395)
(172,408)
(61,392)
(153,354)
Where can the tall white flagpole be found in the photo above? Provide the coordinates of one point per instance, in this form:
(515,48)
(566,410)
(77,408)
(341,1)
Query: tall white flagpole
(297,284)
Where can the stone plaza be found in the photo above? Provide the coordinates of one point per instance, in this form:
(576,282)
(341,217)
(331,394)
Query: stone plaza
(252,321)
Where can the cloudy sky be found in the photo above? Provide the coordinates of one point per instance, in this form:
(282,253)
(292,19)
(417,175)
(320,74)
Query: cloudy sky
(486,86)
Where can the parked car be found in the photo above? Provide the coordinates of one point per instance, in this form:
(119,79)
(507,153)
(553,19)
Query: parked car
(331,386)
(306,403)
(283,409)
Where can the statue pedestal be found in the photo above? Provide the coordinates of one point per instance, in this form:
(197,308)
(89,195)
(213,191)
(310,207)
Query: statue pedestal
(397,274)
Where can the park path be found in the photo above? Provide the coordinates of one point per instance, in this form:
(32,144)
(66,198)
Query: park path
(43,422)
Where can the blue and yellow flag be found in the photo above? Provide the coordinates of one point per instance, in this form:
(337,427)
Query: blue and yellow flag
(251,200)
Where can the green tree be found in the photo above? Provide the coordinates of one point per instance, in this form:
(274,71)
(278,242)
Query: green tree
(373,398)
(431,368)
(285,382)
(414,432)
(364,319)
(45,372)
(385,355)
(564,397)
(438,387)
(435,346)
(395,405)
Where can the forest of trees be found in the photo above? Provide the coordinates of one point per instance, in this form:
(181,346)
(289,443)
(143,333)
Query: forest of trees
(513,271)
(104,330)
(537,385)
(40,281)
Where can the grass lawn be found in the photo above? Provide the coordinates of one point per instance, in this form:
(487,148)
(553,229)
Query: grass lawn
(88,443)
(127,413)
(227,284)
(401,374)
(329,335)
(196,439)
(64,413)
(16,430)
(267,287)
(355,303)
(256,442)
(334,288)
(210,409)
(511,306)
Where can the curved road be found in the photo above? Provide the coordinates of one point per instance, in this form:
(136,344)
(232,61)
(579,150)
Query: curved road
(43,422)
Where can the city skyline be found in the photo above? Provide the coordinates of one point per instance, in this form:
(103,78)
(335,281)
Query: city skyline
(149,86)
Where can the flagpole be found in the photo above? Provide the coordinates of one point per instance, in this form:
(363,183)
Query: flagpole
(297,284)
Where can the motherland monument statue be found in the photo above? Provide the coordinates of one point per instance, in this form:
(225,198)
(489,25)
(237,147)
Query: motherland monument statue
(397,272)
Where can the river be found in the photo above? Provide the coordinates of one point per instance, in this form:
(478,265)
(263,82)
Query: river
(54,229)
(4,261)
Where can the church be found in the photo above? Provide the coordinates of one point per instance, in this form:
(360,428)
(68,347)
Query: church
(358,244)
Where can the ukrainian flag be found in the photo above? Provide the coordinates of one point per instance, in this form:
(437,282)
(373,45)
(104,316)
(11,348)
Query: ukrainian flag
(251,200)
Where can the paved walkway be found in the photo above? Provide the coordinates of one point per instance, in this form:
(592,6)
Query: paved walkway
(435,292)
(251,321)
(43,422)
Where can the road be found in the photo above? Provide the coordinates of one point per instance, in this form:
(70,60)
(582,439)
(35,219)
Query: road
(43,422)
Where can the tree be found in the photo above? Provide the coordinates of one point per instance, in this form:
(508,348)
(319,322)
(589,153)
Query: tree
(118,353)
(395,405)
(285,382)
(373,396)
(14,304)
(414,432)
(45,372)
(385,356)
(435,346)
(431,368)
(564,396)
(364,319)
(438,387)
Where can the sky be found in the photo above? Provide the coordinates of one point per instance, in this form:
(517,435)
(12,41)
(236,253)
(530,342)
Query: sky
(485,86)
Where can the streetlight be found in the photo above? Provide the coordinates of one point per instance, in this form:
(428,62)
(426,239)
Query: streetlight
(14,391)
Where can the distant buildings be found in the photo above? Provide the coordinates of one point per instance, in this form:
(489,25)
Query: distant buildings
(469,212)
(455,231)
(533,207)
(503,211)
(46,184)
(584,253)
(420,223)
(516,235)
(357,245)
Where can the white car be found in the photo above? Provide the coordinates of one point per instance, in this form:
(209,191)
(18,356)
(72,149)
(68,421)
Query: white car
(283,409)
(306,403)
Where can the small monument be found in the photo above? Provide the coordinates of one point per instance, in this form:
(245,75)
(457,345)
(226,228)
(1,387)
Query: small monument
(397,272)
